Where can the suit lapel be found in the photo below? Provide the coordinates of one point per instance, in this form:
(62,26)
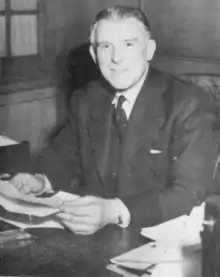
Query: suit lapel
(147,115)
(100,127)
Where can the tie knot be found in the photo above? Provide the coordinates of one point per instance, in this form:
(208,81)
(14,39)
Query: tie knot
(121,100)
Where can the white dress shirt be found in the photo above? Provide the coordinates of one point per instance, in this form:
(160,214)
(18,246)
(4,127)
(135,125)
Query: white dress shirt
(130,96)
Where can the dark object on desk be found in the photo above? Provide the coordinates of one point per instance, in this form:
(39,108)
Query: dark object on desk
(15,158)
(15,238)
(211,238)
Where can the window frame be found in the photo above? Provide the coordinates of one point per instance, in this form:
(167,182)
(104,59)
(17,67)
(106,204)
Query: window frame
(24,71)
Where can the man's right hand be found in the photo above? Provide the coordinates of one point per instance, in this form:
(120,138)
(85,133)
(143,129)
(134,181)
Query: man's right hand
(28,184)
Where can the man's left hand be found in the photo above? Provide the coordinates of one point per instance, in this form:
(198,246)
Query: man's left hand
(88,214)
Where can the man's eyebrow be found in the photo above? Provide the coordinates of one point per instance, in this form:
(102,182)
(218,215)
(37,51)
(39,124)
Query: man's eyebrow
(98,43)
(131,39)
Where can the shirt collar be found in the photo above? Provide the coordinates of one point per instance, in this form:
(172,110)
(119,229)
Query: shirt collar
(131,94)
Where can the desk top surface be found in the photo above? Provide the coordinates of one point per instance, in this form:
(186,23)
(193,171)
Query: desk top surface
(58,252)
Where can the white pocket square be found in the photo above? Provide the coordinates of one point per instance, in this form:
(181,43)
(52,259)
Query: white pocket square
(155,151)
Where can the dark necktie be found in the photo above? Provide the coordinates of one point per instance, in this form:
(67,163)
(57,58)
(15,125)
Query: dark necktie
(119,118)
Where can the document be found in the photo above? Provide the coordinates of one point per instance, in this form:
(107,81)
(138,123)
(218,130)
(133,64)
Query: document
(6,141)
(183,231)
(144,256)
(45,224)
(13,201)
(174,240)
(38,211)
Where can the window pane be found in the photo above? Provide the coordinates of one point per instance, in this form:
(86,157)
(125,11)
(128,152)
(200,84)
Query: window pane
(2,5)
(23,5)
(24,35)
(2,37)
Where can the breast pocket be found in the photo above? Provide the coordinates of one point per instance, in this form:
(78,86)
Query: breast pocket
(156,158)
(159,165)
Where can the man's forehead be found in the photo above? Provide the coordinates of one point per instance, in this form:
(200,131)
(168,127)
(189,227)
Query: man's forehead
(123,27)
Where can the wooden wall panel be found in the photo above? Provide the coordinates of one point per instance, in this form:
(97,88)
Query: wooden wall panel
(91,8)
(188,29)
(28,117)
(33,114)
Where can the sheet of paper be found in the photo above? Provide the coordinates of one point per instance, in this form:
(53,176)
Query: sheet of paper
(11,200)
(10,191)
(6,141)
(168,270)
(183,230)
(45,222)
(179,231)
(129,273)
(23,207)
(148,254)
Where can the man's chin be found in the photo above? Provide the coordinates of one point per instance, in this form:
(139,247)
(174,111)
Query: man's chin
(120,87)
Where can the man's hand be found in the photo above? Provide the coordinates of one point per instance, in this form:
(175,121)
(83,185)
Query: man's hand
(28,184)
(88,214)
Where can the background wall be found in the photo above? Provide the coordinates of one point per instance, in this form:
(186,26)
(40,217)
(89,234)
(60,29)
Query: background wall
(33,103)
(187,34)
(189,28)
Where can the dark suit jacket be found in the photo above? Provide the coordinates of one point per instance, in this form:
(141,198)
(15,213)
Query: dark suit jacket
(168,156)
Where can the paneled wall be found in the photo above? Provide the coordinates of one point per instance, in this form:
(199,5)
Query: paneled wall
(65,24)
(29,115)
(187,33)
(33,112)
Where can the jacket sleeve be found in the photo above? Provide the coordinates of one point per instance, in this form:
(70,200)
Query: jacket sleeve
(192,153)
(60,162)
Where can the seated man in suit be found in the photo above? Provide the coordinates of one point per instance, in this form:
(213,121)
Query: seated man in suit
(138,145)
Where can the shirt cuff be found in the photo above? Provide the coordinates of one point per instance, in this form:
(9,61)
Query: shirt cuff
(124,216)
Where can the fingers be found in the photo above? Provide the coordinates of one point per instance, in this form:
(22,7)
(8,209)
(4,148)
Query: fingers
(78,229)
(81,206)
(78,225)
(86,214)
(87,220)
(25,183)
(80,202)
(77,210)
(20,181)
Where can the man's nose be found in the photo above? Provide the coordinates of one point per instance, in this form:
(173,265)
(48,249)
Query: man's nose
(117,55)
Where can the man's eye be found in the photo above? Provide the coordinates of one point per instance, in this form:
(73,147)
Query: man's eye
(129,44)
(104,46)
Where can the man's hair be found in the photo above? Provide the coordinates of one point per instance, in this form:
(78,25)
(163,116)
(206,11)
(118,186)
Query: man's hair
(117,13)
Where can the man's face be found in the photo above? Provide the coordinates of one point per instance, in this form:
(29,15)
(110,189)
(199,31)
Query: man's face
(123,51)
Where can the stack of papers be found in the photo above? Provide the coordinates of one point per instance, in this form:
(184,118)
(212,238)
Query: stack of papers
(14,202)
(146,255)
(174,240)
(181,231)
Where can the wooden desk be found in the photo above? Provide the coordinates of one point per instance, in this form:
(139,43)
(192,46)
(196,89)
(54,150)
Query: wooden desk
(58,252)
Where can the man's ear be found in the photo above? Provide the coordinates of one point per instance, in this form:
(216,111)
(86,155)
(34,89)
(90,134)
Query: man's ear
(151,48)
(92,53)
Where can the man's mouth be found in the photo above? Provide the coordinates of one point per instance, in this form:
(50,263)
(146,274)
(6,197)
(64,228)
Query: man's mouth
(119,71)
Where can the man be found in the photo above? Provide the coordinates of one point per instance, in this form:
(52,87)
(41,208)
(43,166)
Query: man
(146,158)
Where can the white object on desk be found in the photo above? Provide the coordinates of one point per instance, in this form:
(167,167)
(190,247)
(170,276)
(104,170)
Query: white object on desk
(6,141)
(175,240)
(148,254)
(12,201)
(182,231)
(59,197)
